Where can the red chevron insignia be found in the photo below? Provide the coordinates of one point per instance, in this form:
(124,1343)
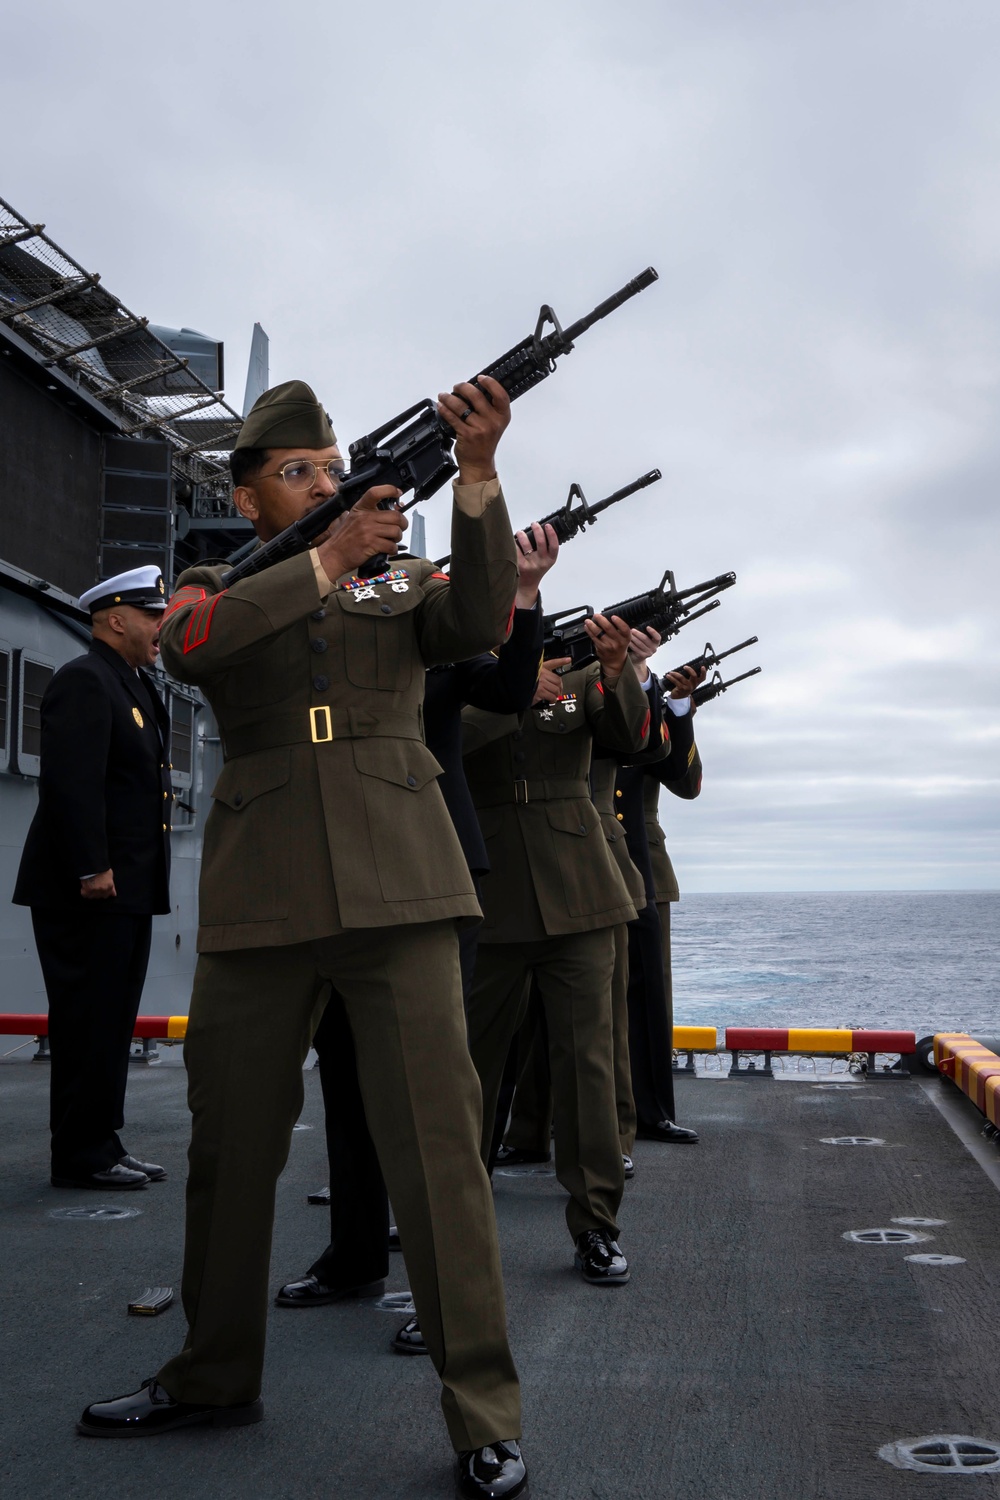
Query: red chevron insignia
(189,594)
(200,622)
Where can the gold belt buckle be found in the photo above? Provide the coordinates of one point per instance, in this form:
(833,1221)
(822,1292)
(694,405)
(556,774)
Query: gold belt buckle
(521,792)
(319,719)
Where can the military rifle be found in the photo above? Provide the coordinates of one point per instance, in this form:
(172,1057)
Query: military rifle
(711,658)
(715,686)
(665,609)
(569,520)
(414,450)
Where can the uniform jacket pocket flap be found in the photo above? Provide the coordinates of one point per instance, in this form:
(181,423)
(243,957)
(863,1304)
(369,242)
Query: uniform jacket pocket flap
(406,763)
(250,776)
(395,597)
(559,718)
(577,817)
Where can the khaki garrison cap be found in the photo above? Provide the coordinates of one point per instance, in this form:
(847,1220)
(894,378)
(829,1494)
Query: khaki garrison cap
(287,416)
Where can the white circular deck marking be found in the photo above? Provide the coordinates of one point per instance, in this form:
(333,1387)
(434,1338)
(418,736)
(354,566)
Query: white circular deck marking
(101,1211)
(944,1453)
(851,1140)
(885,1236)
(936,1260)
(922,1223)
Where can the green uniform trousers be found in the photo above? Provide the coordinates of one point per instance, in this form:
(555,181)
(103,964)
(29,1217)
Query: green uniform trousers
(530,1125)
(572,977)
(252,1017)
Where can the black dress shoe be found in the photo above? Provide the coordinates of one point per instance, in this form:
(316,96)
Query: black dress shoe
(514,1156)
(409,1339)
(395,1243)
(322,1196)
(599,1259)
(150,1410)
(495,1472)
(311,1292)
(666,1130)
(628,1164)
(112,1177)
(152,1171)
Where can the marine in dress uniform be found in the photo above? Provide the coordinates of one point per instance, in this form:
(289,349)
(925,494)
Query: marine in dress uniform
(95,869)
(502,681)
(330,859)
(528,1134)
(551,901)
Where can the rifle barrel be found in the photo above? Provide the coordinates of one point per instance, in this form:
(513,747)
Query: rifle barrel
(626,490)
(630,289)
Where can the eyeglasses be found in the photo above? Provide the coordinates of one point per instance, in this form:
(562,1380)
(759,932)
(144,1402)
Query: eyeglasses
(300,473)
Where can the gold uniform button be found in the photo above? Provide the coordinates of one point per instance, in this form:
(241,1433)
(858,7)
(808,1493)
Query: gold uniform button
(617,794)
(164,796)
(164,828)
(620,817)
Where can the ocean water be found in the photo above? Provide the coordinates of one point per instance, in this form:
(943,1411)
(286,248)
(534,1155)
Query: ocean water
(926,961)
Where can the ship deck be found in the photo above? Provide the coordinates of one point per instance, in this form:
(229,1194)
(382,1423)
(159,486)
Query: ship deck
(755,1355)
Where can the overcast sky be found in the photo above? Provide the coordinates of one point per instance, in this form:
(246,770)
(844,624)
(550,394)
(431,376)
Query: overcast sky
(392,190)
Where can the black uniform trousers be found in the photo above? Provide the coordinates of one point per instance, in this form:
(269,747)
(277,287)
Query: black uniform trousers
(94,966)
(650,1017)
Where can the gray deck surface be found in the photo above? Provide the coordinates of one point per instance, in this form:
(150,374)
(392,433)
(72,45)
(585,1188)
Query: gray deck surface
(755,1355)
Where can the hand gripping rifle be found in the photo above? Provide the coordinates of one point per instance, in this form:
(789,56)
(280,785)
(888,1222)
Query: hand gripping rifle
(569,520)
(413,451)
(715,686)
(665,609)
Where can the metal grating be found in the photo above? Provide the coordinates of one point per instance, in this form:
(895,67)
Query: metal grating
(74,323)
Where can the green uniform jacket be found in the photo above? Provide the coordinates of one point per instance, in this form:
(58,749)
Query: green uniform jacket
(602,785)
(328,815)
(680,773)
(551,871)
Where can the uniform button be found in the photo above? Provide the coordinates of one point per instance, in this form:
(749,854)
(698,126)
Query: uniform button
(164,828)
(321,684)
(620,817)
(318,614)
(238,800)
(518,734)
(386,609)
(617,794)
(519,756)
(612,838)
(318,644)
(583,828)
(411,781)
(561,728)
(164,796)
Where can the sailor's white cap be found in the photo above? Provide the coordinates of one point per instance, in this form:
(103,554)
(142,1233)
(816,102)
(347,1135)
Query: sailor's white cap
(142,587)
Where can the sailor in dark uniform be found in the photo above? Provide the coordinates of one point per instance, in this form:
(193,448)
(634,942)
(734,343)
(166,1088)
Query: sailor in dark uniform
(95,869)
